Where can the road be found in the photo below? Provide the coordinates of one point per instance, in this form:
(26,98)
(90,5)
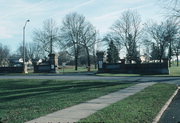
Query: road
(172,114)
(174,80)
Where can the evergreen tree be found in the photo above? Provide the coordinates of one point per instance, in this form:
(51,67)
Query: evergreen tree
(112,53)
(132,53)
(154,52)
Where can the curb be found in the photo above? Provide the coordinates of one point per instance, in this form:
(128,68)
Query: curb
(156,120)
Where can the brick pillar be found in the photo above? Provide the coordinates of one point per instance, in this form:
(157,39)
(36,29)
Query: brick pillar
(53,63)
(100,57)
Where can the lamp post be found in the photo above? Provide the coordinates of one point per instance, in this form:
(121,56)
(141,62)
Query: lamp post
(24,68)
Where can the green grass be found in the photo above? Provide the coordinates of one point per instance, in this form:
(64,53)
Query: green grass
(24,100)
(116,74)
(139,108)
(174,71)
(70,69)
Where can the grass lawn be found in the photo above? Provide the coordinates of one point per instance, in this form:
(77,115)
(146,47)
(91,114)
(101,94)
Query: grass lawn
(24,100)
(116,74)
(70,69)
(174,71)
(139,108)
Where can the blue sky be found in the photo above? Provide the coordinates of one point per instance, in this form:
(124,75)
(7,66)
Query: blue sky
(101,13)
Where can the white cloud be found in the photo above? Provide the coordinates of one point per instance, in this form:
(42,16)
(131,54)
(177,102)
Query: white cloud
(6,33)
(105,21)
(19,8)
(132,1)
(83,4)
(7,29)
(75,8)
(14,14)
(108,16)
(115,14)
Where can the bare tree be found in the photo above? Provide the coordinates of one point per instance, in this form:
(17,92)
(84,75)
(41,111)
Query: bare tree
(88,39)
(171,35)
(70,33)
(77,33)
(4,55)
(157,32)
(19,52)
(34,52)
(163,34)
(173,8)
(47,36)
(94,55)
(64,56)
(176,49)
(128,28)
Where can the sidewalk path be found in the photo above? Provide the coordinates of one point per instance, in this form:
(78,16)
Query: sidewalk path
(83,110)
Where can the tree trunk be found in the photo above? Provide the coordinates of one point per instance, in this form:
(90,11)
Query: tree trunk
(160,59)
(177,60)
(94,60)
(76,62)
(169,62)
(95,63)
(161,55)
(130,61)
(76,58)
(88,59)
(170,55)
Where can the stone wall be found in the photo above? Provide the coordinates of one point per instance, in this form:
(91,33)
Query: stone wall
(49,66)
(11,70)
(148,68)
(42,68)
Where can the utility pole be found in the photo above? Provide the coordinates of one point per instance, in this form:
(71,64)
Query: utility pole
(24,67)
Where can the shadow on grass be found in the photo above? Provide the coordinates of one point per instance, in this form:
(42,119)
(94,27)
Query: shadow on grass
(14,89)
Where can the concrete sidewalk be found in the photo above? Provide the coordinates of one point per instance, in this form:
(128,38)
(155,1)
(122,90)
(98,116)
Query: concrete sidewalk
(83,110)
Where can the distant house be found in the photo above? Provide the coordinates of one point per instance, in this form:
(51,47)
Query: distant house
(145,58)
(15,61)
(4,62)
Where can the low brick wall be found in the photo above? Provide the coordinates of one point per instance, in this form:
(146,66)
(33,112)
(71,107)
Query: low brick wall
(42,68)
(11,69)
(149,68)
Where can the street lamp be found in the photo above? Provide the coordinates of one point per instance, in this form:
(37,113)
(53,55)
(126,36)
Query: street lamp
(24,68)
